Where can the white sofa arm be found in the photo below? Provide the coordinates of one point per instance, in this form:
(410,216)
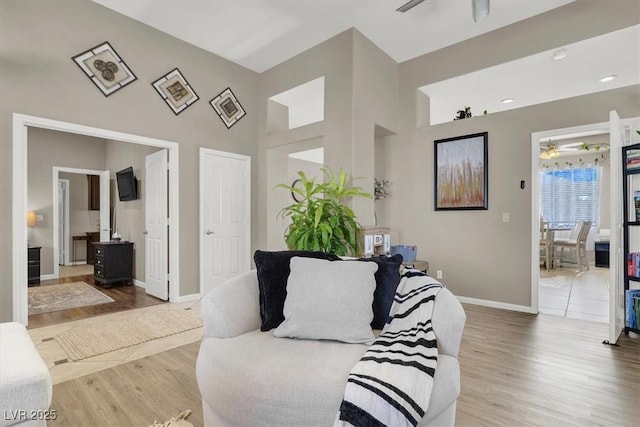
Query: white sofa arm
(232,308)
(448,321)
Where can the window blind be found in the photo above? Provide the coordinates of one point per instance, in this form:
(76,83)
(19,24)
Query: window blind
(567,196)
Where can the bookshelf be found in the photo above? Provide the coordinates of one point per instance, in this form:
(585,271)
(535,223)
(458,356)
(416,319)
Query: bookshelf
(631,236)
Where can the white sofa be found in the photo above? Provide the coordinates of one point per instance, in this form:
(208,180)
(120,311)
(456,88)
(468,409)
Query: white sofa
(25,382)
(251,378)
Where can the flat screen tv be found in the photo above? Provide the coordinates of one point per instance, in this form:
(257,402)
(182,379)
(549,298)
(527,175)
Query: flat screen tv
(127,185)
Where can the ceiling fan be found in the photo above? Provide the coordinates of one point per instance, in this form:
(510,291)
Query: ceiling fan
(550,150)
(480,8)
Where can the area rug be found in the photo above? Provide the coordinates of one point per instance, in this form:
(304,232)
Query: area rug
(84,342)
(44,299)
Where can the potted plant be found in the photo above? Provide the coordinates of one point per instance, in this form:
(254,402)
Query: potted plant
(320,221)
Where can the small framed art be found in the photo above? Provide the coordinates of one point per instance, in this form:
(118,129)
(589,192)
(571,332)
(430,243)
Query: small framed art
(227,107)
(105,68)
(461,173)
(176,91)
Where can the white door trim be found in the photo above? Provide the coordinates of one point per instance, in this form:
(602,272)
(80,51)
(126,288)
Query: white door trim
(602,127)
(65,242)
(19,200)
(56,242)
(247,201)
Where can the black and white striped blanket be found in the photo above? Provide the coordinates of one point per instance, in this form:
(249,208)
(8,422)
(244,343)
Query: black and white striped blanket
(391,384)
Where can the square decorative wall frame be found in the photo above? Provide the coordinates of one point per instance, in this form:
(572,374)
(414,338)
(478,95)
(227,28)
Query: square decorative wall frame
(176,91)
(105,68)
(228,107)
(461,173)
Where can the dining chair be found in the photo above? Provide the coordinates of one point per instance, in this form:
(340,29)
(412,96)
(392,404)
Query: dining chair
(577,242)
(546,245)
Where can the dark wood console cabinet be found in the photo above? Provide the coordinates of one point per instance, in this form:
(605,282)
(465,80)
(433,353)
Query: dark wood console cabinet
(113,262)
(33,257)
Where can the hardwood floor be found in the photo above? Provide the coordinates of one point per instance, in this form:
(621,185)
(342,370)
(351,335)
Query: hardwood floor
(137,393)
(517,370)
(126,298)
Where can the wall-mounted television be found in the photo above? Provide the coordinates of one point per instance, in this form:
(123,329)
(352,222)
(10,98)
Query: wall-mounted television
(127,185)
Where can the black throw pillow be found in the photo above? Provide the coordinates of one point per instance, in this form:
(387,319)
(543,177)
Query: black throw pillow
(387,280)
(273,273)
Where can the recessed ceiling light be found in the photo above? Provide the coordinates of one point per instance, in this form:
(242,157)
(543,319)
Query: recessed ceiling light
(559,54)
(607,78)
(507,100)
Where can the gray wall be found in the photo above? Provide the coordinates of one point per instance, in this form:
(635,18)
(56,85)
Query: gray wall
(130,215)
(481,257)
(39,78)
(363,87)
(45,150)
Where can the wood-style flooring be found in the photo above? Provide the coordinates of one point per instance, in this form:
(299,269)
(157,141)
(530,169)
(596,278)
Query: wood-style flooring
(517,370)
(155,388)
(125,298)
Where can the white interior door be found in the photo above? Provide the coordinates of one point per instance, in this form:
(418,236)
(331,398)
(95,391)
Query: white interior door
(105,191)
(225,206)
(63,221)
(156,225)
(616,289)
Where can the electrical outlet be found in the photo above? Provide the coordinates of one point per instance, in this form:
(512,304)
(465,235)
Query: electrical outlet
(506,217)
(438,274)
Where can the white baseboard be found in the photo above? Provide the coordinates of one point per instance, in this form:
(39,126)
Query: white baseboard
(187,298)
(496,304)
(137,282)
(48,276)
(76,263)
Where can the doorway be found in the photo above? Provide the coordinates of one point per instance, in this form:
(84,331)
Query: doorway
(19,201)
(71,238)
(574,186)
(619,135)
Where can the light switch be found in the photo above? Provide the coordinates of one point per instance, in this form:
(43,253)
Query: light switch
(506,217)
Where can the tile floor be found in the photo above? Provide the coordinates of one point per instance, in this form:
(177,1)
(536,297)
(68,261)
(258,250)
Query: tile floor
(565,292)
(62,369)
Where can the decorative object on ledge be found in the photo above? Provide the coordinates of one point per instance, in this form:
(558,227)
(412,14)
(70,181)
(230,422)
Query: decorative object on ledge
(463,114)
(228,107)
(296,195)
(461,173)
(105,68)
(176,91)
(380,188)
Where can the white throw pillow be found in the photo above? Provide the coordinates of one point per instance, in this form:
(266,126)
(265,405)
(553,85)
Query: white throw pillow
(329,300)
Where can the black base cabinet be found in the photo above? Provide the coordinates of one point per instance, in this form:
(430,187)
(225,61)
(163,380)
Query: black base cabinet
(602,254)
(113,262)
(33,269)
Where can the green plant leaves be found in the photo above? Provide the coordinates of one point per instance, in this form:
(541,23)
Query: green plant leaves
(321,221)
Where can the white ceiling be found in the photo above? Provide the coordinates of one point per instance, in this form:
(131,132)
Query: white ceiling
(259,34)
(538,78)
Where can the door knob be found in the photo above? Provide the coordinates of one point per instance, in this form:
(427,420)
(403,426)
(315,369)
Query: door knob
(210,232)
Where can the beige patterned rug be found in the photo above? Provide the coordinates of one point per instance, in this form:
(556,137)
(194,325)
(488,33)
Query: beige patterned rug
(84,342)
(47,298)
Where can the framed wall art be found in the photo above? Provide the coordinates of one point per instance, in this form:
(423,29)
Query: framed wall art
(461,172)
(176,91)
(228,107)
(105,68)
